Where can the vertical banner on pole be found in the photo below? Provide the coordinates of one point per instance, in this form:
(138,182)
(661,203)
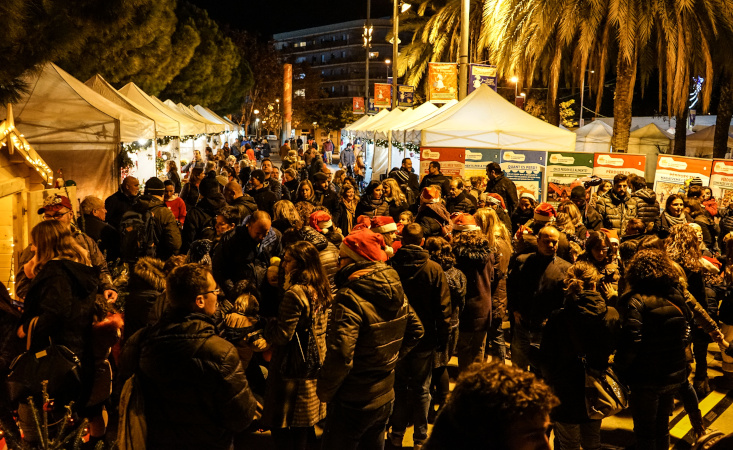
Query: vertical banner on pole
(358,105)
(370,108)
(287,98)
(405,96)
(442,82)
(479,74)
(382,95)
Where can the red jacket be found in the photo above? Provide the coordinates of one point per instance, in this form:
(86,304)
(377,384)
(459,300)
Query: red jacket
(178,208)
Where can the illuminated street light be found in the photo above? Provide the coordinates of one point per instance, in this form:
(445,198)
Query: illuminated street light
(388,62)
(515,80)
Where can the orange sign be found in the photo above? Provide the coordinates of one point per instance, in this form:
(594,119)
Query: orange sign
(359,105)
(443,82)
(382,95)
(288,92)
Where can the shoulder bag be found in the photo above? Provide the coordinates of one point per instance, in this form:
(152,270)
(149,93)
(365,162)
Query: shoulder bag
(302,359)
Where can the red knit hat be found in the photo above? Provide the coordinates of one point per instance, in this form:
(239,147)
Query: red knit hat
(362,223)
(54,203)
(321,221)
(430,194)
(497,199)
(544,212)
(612,235)
(364,246)
(464,222)
(383,224)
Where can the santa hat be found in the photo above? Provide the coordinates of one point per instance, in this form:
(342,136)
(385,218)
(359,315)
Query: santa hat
(528,195)
(464,222)
(383,224)
(362,223)
(430,194)
(495,199)
(321,221)
(612,235)
(364,246)
(544,212)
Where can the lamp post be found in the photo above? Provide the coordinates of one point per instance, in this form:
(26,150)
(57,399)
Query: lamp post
(463,52)
(582,92)
(387,62)
(257,119)
(368,29)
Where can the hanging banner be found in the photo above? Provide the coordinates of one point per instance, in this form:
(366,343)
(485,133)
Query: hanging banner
(673,172)
(287,97)
(526,169)
(382,95)
(452,160)
(405,96)
(608,165)
(563,169)
(358,103)
(442,82)
(479,74)
(721,182)
(477,159)
(371,109)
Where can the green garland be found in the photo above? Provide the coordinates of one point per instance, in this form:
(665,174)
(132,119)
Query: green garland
(409,146)
(165,140)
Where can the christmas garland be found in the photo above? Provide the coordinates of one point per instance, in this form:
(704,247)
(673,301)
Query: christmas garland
(409,146)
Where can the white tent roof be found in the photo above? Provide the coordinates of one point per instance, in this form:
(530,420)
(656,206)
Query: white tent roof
(367,123)
(485,119)
(413,129)
(164,125)
(211,116)
(361,120)
(700,144)
(594,137)
(188,127)
(382,122)
(211,127)
(649,133)
(413,115)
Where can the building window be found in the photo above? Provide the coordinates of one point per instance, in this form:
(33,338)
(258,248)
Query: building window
(343,54)
(299,92)
(299,44)
(299,59)
(323,58)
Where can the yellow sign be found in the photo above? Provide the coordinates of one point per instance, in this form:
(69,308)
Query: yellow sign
(443,82)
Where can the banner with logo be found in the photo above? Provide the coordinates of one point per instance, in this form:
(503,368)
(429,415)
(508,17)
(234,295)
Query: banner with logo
(452,160)
(526,169)
(371,109)
(674,171)
(477,159)
(442,82)
(721,181)
(382,95)
(358,103)
(608,165)
(563,168)
(479,74)
(405,96)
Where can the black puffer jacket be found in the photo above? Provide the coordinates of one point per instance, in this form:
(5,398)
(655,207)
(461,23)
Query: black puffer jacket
(329,254)
(104,234)
(201,220)
(477,263)
(647,206)
(654,334)
(506,189)
(521,217)
(535,287)
(170,235)
(147,282)
(366,207)
(245,204)
(426,287)
(371,326)
(116,205)
(328,199)
(264,198)
(196,393)
(439,180)
(460,204)
(616,212)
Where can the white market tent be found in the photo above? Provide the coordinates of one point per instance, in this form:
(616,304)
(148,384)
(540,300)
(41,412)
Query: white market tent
(187,126)
(408,116)
(198,127)
(211,127)
(361,120)
(75,129)
(485,119)
(650,140)
(412,131)
(211,117)
(594,137)
(700,144)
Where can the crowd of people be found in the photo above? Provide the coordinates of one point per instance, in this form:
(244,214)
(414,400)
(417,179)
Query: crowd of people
(238,295)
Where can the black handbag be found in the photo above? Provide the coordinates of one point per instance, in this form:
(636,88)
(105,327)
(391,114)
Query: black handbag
(302,359)
(56,364)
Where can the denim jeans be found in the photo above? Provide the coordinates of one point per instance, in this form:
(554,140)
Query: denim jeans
(350,428)
(495,344)
(570,436)
(522,342)
(650,409)
(470,348)
(412,394)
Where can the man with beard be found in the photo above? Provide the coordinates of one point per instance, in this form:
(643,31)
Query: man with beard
(591,219)
(616,208)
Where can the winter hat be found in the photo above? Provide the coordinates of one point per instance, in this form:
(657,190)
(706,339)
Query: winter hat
(612,235)
(464,222)
(495,199)
(529,196)
(320,177)
(320,221)
(364,246)
(55,203)
(259,175)
(401,176)
(383,224)
(154,186)
(696,181)
(222,180)
(544,212)
(362,223)
(209,186)
(430,194)
(578,193)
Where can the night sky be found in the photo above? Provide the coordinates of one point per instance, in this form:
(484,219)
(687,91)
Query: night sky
(266,17)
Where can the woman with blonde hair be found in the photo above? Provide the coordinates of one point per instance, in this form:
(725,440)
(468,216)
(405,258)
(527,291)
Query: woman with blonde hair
(569,208)
(285,216)
(396,199)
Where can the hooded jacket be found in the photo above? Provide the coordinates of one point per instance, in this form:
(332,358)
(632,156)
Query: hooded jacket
(146,284)
(169,240)
(427,291)
(245,204)
(647,206)
(371,326)
(477,263)
(200,221)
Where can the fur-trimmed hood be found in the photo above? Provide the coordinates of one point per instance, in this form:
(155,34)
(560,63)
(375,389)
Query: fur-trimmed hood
(150,271)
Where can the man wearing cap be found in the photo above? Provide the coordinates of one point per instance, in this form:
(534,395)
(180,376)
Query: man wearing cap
(535,288)
(92,221)
(616,207)
(591,219)
(412,181)
(372,325)
(499,184)
(457,200)
(322,193)
(122,201)
(169,235)
(201,219)
(264,197)
(436,178)
(426,288)
(58,207)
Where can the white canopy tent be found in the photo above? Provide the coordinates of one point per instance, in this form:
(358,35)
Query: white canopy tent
(188,127)
(211,116)
(211,127)
(361,120)
(381,158)
(354,129)
(594,137)
(485,119)
(700,144)
(411,132)
(75,129)
(650,140)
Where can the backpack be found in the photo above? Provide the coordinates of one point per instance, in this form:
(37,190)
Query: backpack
(409,194)
(139,235)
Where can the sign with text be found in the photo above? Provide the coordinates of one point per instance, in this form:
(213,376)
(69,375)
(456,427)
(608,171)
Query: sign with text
(371,109)
(608,165)
(563,169)
(442,82)
(526,168)
(358,103)
(674,171)
(721,181)
(382,95)
(479,74)
(405,96)
(478,158)
(452,160)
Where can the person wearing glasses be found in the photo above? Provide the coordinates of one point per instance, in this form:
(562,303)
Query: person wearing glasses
(192,381)
(58,207)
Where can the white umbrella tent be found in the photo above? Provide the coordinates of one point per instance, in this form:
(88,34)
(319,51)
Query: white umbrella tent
(594,137)
(650,140)
(700,144)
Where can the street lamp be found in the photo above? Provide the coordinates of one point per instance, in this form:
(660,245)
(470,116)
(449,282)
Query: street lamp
(582,92)
(388,62)
(515,80)
(256,112)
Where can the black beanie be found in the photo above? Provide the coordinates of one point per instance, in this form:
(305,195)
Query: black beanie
(209,186)
(154,186)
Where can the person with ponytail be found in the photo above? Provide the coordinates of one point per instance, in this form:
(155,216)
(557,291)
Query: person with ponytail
(583,328)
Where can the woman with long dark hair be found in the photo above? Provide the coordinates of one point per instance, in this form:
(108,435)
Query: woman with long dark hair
(373,203)
(173,175)
(598,253)
(673,214)
(345,215)
(305,192)
(292,407)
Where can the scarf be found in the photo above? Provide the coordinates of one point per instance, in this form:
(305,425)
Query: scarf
(439,211)
(350,213)
(681,220)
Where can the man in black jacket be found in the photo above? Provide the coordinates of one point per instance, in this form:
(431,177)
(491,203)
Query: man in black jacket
(457,200)
(412,177)
(323,195)
(499,184)
(426,288)
(122,201)
(436,178)
(196,394)
(371,326)
(243,202)
(264,197)
(280,191)
(93,224)
(169,237)
(591,219)
(201,219)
